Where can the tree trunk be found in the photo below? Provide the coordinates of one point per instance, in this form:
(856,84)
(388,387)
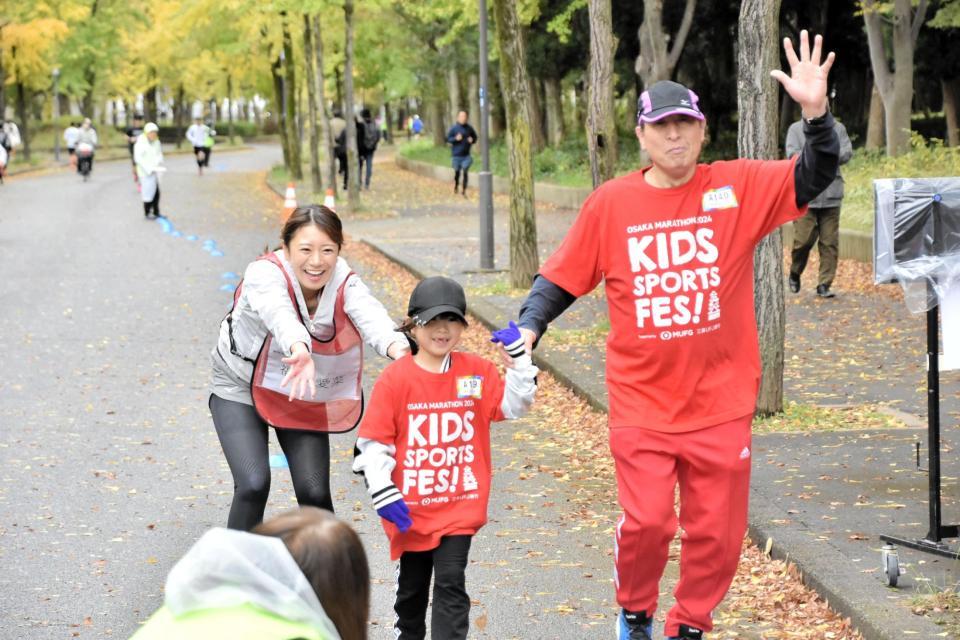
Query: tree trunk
(23,116)
(950,96)
(655,62)
(149,103)
(290,88)
(322,106)
(875,122)
(513,80)
(757,137)
(229,108)
(353,184)
(552,96)
(311,82)
(896,86)
(3,85)
(435,120)
(498,118)
(453,91)
(538,137)
(278,94)
(473,86)
(787,111)
(179,107)
(601,126)
(90,76)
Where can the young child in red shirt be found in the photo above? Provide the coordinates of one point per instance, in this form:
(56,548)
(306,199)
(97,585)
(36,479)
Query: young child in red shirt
(424,450)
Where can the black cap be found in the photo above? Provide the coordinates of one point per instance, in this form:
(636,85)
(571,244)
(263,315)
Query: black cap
(436,295)
(666,98)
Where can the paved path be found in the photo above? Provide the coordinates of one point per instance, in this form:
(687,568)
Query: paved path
(110,464)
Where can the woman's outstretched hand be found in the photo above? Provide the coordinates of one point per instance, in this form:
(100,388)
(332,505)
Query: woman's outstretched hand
(302,374)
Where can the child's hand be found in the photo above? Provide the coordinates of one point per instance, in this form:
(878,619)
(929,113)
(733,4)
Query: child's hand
(511,339)
(398,513)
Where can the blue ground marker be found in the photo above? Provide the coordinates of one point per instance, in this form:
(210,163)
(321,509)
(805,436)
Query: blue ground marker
(228,287)
(229,275)
(278,461)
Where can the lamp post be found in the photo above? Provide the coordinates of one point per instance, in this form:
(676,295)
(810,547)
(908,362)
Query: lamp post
(56,114)
(486,179)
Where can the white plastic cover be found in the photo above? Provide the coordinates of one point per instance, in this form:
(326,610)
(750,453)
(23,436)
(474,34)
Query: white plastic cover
(227,568)
(917,237)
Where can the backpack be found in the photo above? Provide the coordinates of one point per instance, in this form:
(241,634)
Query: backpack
(371,136)
(5,140)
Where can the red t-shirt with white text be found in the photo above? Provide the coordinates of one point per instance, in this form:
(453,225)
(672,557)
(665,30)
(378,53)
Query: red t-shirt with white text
(678,270)
(440,425)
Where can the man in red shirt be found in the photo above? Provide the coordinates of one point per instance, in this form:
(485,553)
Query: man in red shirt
(673,244)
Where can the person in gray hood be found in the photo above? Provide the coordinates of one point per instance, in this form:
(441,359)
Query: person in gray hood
(821,220)
(302,574)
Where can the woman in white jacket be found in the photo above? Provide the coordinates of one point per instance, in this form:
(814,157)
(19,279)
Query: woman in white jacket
(324,287)
(148,157)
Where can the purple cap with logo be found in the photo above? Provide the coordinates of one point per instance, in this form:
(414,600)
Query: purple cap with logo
(666,98)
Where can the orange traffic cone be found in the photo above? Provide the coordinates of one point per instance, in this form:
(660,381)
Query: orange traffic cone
(329,201)
(289,201)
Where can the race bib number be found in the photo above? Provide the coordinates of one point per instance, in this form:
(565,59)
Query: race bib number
(722,198)
(470,387)
(336,375)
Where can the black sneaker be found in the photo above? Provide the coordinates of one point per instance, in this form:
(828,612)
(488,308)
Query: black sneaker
(688,633)
(794,283)
(823,290)
(634,626)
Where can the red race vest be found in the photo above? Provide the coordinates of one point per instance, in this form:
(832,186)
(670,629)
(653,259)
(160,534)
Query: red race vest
(338,403)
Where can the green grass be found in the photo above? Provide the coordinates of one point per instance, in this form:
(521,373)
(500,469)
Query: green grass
(803,418)
(499,287)
(926,159)
(569,165)
(594,335)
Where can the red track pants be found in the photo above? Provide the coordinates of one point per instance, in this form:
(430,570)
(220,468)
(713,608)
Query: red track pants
(712,467)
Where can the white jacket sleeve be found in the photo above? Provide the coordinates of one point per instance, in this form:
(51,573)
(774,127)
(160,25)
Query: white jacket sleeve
(520,388)
(265,289)
(370,317)
(376,462)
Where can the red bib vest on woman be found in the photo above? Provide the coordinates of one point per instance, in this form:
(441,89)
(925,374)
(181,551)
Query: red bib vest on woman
(338,402)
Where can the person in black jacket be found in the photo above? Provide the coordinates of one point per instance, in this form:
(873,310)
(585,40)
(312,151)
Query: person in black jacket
(368,136)
(461,136)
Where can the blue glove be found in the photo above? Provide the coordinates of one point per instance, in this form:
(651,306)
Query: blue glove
(398,513)
(511,339)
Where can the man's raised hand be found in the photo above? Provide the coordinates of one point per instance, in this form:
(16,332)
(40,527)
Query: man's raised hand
(807,82)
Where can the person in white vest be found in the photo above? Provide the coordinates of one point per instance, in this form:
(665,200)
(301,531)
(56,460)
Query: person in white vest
(70,136)
(289,355)
(201,137)
(148,156)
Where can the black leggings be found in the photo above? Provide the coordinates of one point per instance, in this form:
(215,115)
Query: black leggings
(447,564)
(243,436)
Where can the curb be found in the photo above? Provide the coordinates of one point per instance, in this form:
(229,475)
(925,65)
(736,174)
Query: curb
(854,245)
(857,596)
(854,595)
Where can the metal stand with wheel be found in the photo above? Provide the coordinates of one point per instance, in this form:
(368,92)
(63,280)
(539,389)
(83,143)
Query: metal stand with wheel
(937,532)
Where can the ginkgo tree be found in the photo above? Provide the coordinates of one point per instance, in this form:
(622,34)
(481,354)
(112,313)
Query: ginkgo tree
(29,35)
